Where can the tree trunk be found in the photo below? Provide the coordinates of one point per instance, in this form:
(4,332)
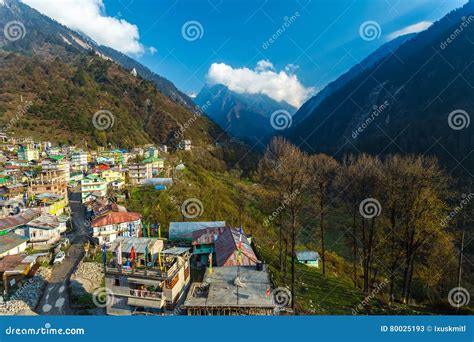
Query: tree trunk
(354,246)
(293,243)
(280,245)
(321,224)
(364,253)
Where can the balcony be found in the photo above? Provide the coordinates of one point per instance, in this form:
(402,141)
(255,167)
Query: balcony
(141,272)
(146,294)
(145,298)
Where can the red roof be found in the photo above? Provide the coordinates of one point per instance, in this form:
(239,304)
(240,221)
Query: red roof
(102,167)
(115,218)
(226,247)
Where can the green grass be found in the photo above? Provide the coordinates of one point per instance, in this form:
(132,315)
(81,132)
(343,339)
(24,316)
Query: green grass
(316,293)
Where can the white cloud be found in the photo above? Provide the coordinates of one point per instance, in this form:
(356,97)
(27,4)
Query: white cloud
(88,16)
(280,86)
(152,50)
(421,26)
(264,65)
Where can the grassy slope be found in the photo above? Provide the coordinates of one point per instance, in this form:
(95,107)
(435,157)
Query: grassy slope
(220,194)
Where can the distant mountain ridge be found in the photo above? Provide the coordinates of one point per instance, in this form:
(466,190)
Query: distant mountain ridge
(57,33)
(244,116)
(68,78)
(425,83)
(353,72)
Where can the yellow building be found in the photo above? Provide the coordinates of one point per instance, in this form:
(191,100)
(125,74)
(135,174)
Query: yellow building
(111,175)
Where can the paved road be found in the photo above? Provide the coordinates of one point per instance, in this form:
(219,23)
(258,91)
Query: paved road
(55,300)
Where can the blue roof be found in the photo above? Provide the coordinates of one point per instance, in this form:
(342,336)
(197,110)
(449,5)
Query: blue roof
(307,255)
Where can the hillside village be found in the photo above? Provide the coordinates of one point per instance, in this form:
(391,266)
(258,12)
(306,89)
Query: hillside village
(63,211)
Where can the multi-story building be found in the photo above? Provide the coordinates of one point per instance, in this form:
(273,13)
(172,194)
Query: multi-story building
(157,164)
(113,174)
(57,163)
(28,153)
(93,186)
(79,160)
(150,289)
(43,232)
(152,152)
(139,172)
(48,182)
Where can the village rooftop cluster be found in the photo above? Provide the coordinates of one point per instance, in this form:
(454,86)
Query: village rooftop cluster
(52,197)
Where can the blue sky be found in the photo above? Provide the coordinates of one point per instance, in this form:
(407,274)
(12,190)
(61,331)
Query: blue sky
(320,41)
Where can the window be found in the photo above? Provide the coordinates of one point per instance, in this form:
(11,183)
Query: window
(171,283)
(116,282)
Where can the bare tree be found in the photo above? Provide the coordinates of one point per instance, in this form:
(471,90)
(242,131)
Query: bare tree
(323,169)
(287,167)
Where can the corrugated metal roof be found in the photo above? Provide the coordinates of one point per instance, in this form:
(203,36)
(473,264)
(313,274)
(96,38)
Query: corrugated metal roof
(226,247)
(184,230)
(11,240)
(207,236)
(307,255)
(175,250)
(45,221)
(115,218)
(19,220)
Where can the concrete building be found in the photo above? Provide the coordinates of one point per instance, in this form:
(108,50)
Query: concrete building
(139,172)
(92,187)
(28,153)
(231,291)
(48,182)
(153,289)
(43,232)
(59,164)
(79,160)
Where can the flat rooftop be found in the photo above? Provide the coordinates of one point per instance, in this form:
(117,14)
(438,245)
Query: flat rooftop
(218,289)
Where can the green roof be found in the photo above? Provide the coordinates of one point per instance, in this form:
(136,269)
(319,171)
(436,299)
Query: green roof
(151,160)
(56,157)
(4,180)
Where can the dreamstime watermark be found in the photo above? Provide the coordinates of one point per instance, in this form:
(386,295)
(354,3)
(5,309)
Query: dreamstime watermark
(459,119)
(287,22)
(281,119)
(377,110)
(13,207)
(370,208)
(458,297)
(192,208)
(457,32)
(103,120)
(375,291)
(466,198)
(281,207)
(200,110)
(370,30)
(192,30)
(20,112)
(46,330)
(281,297)
(14,30)
(102,297)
